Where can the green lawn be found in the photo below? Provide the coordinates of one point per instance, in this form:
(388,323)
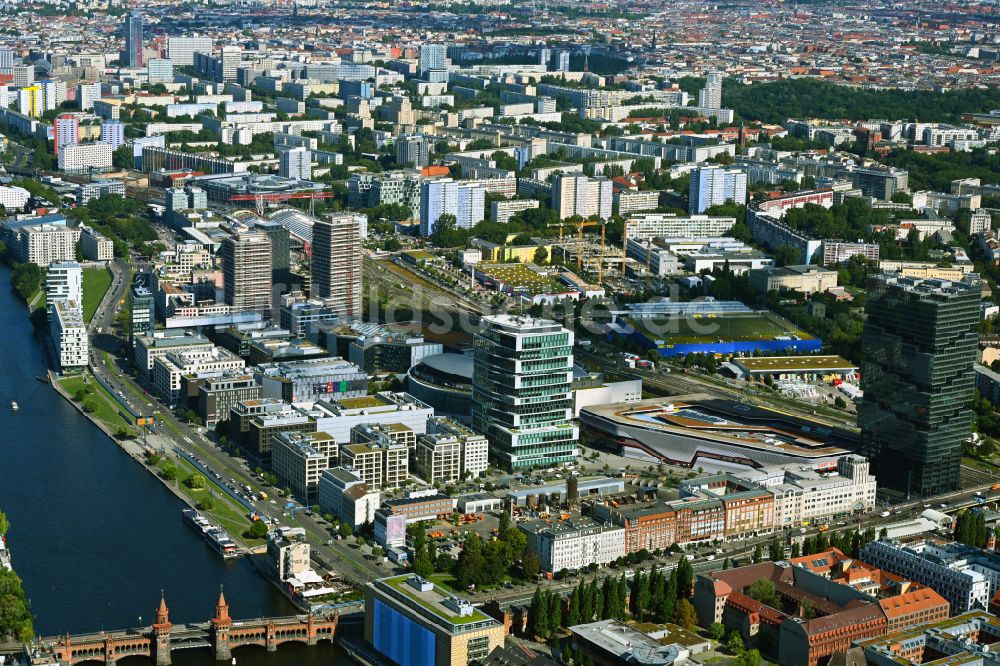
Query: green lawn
(227,512)
(96,282)
(105,407)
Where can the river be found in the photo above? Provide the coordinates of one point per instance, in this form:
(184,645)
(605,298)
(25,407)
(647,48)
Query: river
(93,536)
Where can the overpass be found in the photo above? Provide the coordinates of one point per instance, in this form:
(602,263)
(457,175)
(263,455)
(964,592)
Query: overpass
(221,635)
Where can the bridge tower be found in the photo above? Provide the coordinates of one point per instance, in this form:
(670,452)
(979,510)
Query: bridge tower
(161,634)
(220,629)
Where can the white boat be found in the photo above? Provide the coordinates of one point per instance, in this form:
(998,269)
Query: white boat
(13,406)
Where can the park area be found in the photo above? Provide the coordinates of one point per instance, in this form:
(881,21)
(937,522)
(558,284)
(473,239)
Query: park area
(96,401)
(96,282)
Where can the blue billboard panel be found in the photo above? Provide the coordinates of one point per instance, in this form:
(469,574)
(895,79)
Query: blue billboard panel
(401,639)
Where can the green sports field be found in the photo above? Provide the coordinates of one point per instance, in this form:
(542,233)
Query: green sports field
(728,328)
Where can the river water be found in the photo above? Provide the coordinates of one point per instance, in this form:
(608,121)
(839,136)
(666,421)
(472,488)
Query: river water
(93,536)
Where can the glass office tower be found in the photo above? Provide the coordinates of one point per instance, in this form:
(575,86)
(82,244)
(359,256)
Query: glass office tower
(919,346)
(521,395)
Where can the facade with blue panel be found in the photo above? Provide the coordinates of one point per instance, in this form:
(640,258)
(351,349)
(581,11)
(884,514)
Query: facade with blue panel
(401,639)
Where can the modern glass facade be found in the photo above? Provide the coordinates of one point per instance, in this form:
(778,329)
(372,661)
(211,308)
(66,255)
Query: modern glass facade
(919,347)
(522,398)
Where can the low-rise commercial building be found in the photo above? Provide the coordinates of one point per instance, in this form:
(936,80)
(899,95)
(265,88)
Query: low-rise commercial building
(423,505)
(806,279)
(410,621)
(312,380)
(343,492)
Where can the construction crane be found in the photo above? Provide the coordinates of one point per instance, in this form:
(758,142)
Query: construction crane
(259,198)
(579,238)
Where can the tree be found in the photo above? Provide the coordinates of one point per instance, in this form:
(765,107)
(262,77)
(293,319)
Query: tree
(734,645)
(786,255)
(345,530)
(538,612)
(776,551)
(541,255)
(749,658)
(530,565)
(206,503)
(258,530)
(763,591)
(422,563)
(360,540)
(195,481)
(555,611)
(684,615)
(717,631)
(757,554)
(168,471)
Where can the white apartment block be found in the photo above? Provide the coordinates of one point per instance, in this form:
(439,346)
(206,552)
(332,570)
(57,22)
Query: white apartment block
(801,494)
(439,458)
(666,225)
(475,447)
(295,163)
(69,334)
(583,196)
(574,544)
(342,492)
(168,369)
(15,198)
(964,587)
(634,201)
(979,221)
(64,282)
(95,245)
(44,244)
(84,157)
(503,211)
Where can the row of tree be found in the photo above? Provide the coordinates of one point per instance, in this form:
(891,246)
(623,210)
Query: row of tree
(15,616)
(970,528)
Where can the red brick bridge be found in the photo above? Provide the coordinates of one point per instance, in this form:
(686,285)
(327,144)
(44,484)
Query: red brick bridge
(221,634)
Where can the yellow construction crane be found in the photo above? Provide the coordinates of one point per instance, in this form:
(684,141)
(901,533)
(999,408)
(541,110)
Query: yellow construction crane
(579,237)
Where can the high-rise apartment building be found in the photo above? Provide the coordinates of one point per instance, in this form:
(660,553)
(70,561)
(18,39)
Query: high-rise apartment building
(919,346)
(87,94)
(583,196)
(713,185)
(336,263)
(113,133)
(64,282)
(181,50)
(432,56)
(295,163)
(66,130)
(160,70)
(562,61)
(415,149)
(444,196)
(132,54)
(281,275)
(522,397)
(246,271)
(6,59)
(710,97)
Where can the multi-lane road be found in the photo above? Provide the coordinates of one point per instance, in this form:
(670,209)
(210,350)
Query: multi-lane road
(341,556)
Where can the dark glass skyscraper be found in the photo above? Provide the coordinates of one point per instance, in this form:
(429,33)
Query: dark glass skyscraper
(132,54)
(919,346)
